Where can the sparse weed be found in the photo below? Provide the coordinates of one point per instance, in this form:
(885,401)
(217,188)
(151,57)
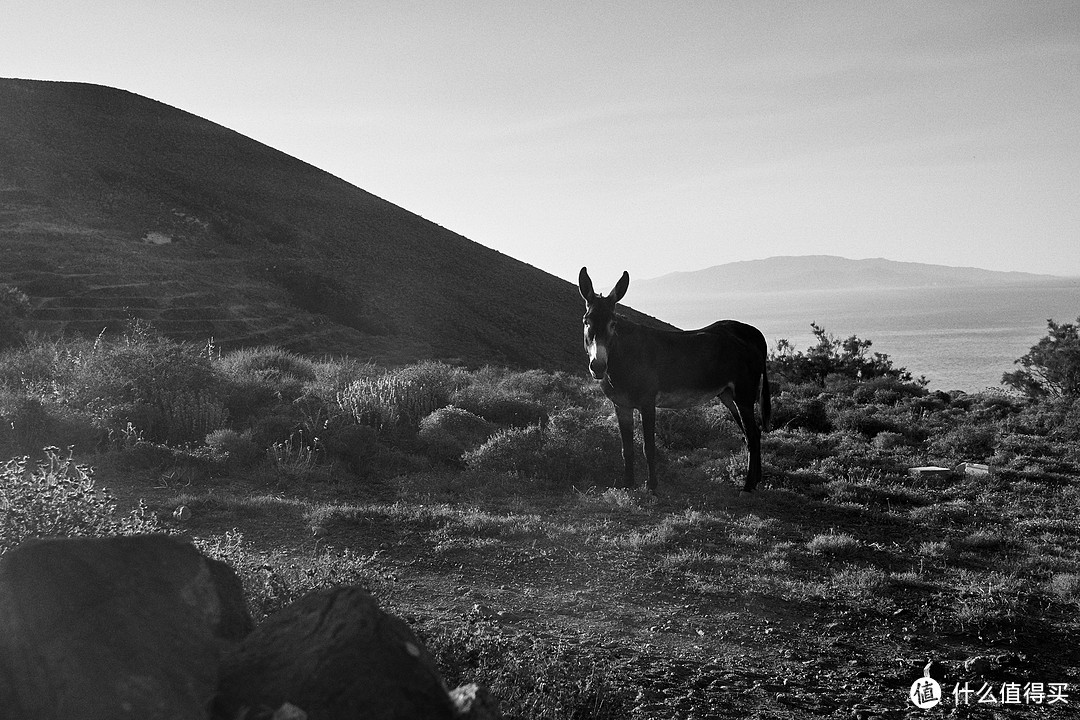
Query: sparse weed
(834,544)
(990,599)
(295,459)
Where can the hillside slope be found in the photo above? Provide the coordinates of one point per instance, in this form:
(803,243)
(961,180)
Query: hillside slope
(114,206)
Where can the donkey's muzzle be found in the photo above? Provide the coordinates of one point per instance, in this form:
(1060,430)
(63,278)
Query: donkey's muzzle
(598,368)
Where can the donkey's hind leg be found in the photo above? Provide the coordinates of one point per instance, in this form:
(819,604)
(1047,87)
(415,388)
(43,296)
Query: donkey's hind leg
(742,412)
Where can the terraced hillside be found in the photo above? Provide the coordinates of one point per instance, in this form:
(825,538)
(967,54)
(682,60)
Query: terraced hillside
(114,206)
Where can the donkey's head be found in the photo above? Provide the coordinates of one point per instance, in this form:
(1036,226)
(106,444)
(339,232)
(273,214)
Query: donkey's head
(599,320)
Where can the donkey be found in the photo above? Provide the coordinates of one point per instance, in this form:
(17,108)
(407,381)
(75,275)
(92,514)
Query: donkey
(643,368)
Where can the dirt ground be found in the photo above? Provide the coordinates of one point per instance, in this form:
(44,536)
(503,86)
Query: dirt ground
(713,636)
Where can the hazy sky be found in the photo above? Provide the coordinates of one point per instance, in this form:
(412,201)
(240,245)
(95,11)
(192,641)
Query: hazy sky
(651,136)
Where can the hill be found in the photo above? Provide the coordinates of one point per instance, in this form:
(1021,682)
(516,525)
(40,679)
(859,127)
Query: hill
(114,206)
(826,272)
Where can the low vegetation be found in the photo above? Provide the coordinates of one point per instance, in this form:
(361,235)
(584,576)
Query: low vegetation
(477,505)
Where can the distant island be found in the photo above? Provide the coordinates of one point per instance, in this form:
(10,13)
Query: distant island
(827,272)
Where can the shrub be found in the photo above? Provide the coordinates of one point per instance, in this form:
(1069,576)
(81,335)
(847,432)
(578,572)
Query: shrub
(276,427)
(553,391)
(269,363)
(333,376)
(269,585)
(398,399)
(695,427)
(492,404)
(450,431)
(886,440)
(58,498)
(189,416)
(248,399)
(575,448)
(801,413)
(165,388)
(1051,368)
(14,309)
(517,451)
(1065,587)
(888,390)
(28,423)
(238,449)
(539,679)
(965,442)
(866,420)
(349,443)
(832,357)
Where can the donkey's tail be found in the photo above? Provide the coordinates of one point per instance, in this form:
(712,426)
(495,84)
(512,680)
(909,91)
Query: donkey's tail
(766,401)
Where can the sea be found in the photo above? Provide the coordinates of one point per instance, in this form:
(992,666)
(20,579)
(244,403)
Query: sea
(958,338)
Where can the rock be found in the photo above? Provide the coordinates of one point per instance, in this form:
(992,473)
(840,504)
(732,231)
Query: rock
(288,711)
(473,702)
(113,628)
(931,475)
(929,472)
(336,655)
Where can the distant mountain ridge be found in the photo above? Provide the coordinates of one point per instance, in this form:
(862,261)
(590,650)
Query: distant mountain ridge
(114,206)
(826,272)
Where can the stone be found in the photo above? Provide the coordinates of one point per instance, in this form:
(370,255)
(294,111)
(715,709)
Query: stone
(929,471)
(336,655)
(113,628)
(473,702)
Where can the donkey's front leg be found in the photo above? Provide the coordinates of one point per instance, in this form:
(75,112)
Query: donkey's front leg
(648,436)
(625,416)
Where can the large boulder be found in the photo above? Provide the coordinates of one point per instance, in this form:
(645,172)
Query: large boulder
(113,628)
(334,654)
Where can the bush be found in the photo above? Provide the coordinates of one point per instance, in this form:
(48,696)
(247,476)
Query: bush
(492,404)
(832,357)
(516,451)
(166,389)
(237,449)
(540,679)
(350,443)
(449,432)
(268,363)
(397,400)
(58,498)
(248,399)
(28,423)
(801,413)
(14,309)
(553,391)
(965,442)
(866,420)
(886,391)
(574,448)
(696,427)
(1051,368)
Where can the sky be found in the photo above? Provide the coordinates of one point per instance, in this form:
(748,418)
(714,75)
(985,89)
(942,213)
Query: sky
(649,136)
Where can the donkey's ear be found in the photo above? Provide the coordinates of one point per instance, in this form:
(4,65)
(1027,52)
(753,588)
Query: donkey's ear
(585,285)
(620,287)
